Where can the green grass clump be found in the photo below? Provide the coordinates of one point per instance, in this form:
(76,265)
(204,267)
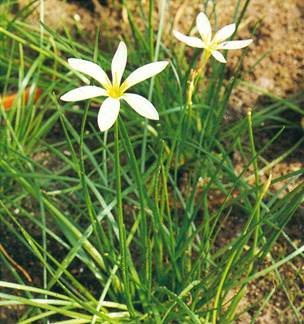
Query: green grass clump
(111,231)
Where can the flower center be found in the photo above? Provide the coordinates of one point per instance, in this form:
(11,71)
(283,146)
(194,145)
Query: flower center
(115,92)
(213,46)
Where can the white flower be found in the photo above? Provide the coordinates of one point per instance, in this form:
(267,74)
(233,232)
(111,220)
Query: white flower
(212,44)
(116,89)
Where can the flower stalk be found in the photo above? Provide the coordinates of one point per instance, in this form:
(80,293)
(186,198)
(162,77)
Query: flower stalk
(195,76)
(211,46)
(121,225)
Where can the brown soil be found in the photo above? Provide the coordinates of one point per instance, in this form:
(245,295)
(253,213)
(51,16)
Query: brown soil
(60,15)
(278,310)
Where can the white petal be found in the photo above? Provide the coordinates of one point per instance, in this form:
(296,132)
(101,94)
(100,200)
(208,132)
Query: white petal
(189,40)
(219,56)
(204,27)
(119,63)
(224,33)
(141,105)
(108,113)
(144,72)
(91,69)
(235,44)
(83,93)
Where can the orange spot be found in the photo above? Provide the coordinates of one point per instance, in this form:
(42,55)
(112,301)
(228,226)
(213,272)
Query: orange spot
(9,99)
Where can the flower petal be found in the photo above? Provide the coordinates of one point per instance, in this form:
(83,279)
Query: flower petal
(235,44)
(219,56)
(141,105)
(189,40)
(144,72)
(204,27)
(224,33)
(119,63)
(83,93)
(108,113)
(91,69)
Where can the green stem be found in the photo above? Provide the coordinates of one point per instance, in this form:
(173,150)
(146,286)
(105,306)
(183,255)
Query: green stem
(256,218)
(220,288)
(142,200)
(151,31)
(162,11)
(121,225)
(257,182)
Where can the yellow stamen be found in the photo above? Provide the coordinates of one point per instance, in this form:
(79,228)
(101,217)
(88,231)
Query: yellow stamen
(115,81)
(115,91)
(124,86)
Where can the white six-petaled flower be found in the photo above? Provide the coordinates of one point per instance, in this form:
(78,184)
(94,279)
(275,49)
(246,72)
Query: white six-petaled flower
(213,45)
(115,90)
